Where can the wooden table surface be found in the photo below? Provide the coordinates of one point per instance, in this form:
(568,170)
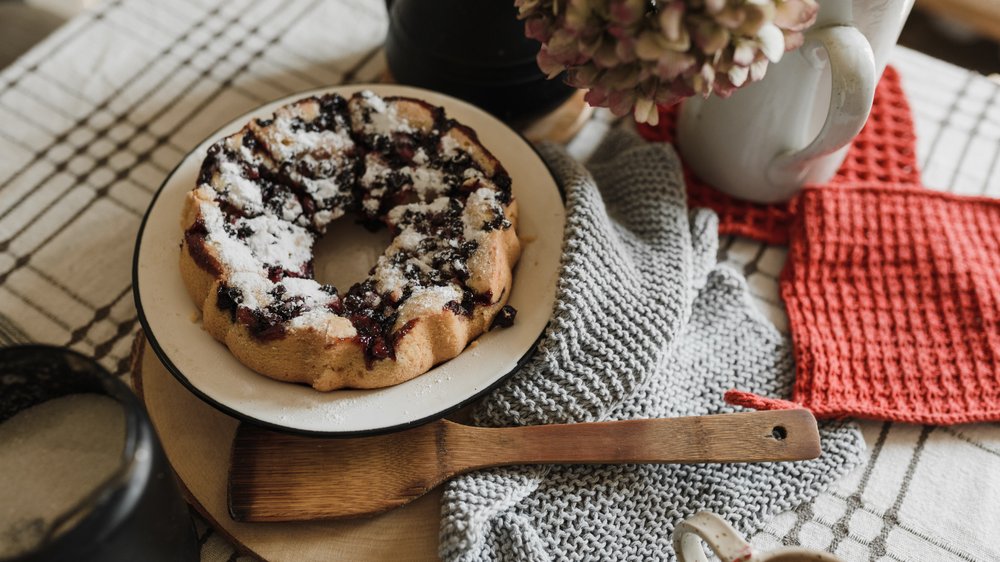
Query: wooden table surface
(94,118)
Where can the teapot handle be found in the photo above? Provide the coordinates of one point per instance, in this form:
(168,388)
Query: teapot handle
(852,68)
(719,535)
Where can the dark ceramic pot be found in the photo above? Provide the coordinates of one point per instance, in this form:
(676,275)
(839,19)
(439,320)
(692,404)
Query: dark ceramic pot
(474,50)
(138,514)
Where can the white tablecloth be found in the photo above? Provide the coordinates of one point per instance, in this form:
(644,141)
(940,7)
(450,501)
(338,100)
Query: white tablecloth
(93,119)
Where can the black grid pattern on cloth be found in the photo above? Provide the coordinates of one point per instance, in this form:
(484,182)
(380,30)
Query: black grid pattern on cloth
(82,154)
(126,173)
(888,509)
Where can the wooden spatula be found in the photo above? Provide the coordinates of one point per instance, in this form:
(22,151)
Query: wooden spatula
(279,477)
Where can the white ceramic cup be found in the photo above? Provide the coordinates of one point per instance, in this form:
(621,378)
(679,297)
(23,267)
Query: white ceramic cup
(729,546)
(795,126)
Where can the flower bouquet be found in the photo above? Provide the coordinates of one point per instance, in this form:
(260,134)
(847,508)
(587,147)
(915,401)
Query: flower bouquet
(633,55)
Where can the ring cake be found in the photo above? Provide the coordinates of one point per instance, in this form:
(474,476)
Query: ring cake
(266,193)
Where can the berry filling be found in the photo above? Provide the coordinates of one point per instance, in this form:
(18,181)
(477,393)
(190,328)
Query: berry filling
(280,181)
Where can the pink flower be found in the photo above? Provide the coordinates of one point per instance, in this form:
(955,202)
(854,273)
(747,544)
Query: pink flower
(627,12)
(620,102)
(634,54)
(645,111)
(538,29)
(549,65)
(597,96)
(672,64)
(795,15)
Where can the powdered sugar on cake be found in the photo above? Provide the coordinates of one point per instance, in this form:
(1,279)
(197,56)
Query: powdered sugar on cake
(268,192)
(240,191)
(383,118)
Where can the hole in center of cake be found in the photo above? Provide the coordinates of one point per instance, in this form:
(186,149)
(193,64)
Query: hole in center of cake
(347,252)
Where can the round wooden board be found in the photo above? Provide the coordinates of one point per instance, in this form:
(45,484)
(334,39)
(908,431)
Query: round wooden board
(561,124)
(198,439)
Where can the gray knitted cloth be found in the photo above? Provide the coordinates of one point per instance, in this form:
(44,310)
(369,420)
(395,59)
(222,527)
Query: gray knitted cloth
(645,325)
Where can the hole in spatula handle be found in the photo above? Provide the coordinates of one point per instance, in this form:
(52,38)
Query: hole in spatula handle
(779,432)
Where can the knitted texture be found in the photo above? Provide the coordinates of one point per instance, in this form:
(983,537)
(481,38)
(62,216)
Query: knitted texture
(893,294)
(645,325)
(884,151)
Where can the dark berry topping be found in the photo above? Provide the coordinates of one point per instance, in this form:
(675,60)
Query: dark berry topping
(261,323)
(208,169)
(250,141)
(243,231)
(286,192)
(194,238)
(469,302)
(499,222)
(504,318)
(228,299)
(502,181)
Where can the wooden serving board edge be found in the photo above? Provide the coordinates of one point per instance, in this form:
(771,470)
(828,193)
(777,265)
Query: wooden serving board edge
(136,359)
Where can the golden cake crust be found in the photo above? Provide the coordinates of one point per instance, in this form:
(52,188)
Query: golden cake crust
(328,353)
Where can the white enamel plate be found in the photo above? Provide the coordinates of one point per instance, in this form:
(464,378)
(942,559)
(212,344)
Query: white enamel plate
(171,320)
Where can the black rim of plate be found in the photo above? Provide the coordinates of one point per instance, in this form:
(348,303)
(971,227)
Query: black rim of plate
(176,372)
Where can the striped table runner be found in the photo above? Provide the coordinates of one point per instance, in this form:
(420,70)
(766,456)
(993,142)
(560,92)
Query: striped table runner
(93,119)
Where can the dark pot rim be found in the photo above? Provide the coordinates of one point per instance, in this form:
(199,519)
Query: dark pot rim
(108,506)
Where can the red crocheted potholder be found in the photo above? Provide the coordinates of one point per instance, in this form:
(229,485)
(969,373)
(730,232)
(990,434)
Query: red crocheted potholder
(893,295)
(884,151)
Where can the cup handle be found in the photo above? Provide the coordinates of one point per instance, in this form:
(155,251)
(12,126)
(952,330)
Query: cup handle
(706,526)
(852,69)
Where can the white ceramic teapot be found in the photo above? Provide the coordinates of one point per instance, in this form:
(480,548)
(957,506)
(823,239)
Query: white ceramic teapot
(794,126)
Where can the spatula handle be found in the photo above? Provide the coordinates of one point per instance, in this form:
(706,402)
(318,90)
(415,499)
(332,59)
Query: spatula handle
(779,435)
(278,477)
